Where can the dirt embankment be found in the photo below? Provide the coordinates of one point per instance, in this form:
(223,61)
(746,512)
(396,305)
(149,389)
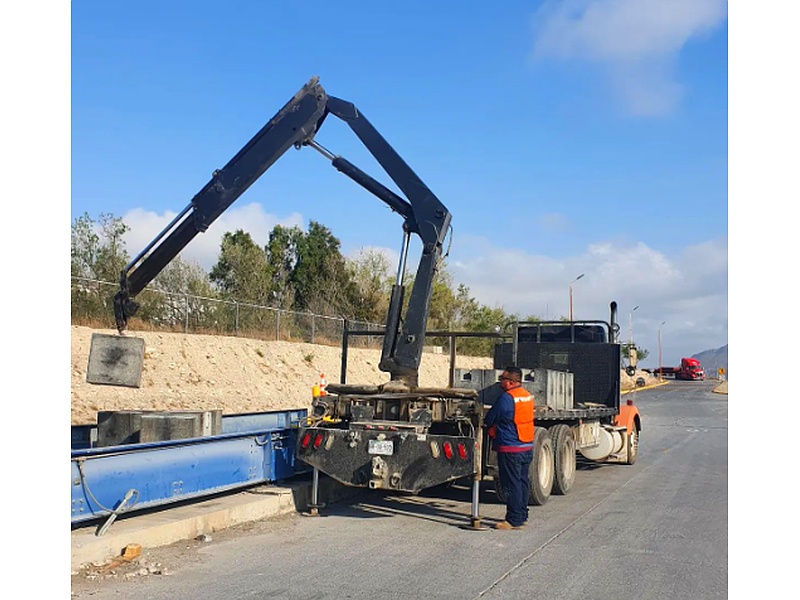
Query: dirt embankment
(240,375)
(235,375)
(628,382)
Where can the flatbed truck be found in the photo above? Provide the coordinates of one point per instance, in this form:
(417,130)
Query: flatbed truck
(363,437)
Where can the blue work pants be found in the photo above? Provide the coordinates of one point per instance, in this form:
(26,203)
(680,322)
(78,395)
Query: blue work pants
(513,469)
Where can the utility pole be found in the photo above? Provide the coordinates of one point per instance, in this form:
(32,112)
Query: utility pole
(632,359)
(630,323)
(660,374)
(570,295)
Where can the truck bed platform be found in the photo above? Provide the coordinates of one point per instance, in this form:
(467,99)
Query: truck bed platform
(545,413)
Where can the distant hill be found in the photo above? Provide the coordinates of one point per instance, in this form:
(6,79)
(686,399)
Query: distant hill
(711,360)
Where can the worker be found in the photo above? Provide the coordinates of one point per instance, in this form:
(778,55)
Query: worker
(510,422)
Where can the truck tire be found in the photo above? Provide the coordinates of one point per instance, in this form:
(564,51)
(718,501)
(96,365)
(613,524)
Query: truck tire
(541,470)
(632,446)
(564,459)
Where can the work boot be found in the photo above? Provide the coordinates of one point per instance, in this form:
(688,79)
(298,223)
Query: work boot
(505,525)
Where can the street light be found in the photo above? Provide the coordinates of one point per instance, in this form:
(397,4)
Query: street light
(632,358)
(660,373)
(570,293)
(630,323)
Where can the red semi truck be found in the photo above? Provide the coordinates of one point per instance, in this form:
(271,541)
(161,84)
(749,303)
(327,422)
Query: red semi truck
(690,369)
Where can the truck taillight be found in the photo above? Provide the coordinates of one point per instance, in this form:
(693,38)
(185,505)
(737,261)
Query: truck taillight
(305,441)
(448,449)
(462,451)
(318,440)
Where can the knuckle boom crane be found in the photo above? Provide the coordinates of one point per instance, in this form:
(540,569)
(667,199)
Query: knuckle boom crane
(399,436)
(388,436)
(295,125)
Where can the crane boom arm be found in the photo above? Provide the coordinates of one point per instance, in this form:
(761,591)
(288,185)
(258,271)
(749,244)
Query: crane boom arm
(295,125)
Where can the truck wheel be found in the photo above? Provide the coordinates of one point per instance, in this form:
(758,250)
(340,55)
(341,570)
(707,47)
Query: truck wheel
(564,459)
(632,445)
(541,469)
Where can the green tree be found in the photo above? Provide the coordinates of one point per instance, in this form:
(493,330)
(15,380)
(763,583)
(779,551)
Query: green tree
(84,243)
(242,274)
(97,248)
(476,317)
(625,350)
(178,298)
(444,303)
(371,273)
(97,252)
(242,271)
(281,253)
(321,281)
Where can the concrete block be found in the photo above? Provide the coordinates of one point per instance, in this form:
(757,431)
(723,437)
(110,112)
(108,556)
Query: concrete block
(553,389)
(118,427)
(471,379)
(486,381)
(162,427)
(115,360)
(549,388)
(159,427)
(121,427)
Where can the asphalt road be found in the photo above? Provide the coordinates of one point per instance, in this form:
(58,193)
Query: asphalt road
(656,529)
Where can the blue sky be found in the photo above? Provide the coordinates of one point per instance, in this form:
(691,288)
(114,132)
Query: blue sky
(566,138)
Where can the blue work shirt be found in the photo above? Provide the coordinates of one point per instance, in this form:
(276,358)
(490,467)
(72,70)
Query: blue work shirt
(501,416)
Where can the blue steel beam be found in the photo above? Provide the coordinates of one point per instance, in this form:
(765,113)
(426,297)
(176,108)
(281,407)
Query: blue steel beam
(160,473)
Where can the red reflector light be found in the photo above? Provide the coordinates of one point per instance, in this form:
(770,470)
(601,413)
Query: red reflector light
(462,451)
(317,440)
(448,450)
(629,401)
(306,440)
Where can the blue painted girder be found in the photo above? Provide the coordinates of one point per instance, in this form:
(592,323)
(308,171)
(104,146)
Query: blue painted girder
(160,473)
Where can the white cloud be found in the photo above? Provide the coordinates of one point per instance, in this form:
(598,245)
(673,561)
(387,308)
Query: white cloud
(688,291)
(204,248)
(636,41)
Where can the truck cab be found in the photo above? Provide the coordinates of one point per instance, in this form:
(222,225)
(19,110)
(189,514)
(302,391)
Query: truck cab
(573,370)
(692,370)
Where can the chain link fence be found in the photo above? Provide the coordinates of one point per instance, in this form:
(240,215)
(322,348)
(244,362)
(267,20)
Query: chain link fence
(92,303)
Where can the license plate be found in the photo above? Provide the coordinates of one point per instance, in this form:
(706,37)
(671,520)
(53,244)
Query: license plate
(384,447)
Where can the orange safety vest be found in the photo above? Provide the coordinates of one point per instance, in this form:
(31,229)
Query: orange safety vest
(523,413)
